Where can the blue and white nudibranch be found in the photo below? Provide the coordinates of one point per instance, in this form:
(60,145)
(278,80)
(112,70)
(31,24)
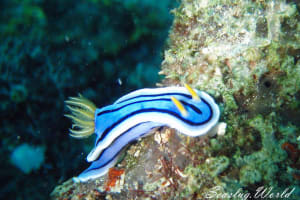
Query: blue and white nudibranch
(190,111)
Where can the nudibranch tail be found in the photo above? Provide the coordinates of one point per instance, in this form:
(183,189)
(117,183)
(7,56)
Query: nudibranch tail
(82,115)
(179,106)
(192,92)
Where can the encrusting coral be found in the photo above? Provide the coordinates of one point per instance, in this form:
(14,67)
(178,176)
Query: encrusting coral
(245,54)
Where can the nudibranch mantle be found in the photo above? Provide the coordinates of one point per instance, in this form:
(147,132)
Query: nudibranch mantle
(191,112)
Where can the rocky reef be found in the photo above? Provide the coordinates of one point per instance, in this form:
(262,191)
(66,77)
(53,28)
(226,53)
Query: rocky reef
(246,55)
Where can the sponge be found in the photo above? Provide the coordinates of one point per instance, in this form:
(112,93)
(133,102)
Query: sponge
(28,158)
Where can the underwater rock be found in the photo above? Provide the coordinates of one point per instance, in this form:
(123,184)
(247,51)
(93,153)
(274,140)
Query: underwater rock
(246,55)
(154,167)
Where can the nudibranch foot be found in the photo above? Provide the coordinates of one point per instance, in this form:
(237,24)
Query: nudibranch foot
(109,156)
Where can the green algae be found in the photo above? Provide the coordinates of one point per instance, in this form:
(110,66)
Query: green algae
(202,177)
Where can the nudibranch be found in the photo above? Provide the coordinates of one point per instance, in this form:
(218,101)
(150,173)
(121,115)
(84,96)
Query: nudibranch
(190,111)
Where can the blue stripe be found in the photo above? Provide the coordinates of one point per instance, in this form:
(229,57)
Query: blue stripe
(156,95)
(142,101)
(107,130)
